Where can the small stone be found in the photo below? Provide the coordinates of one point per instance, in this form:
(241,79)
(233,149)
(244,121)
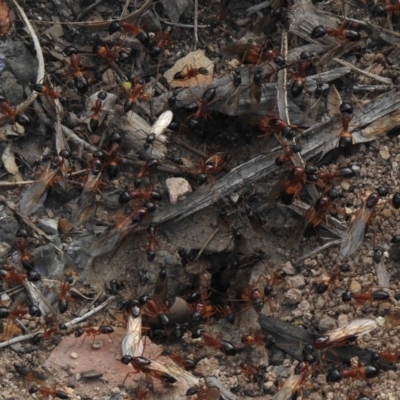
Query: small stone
(296,281)
(343,320)
(177,189)
(320,302)
(355,287)
(293,296)
(4,248)
(48,225)
(5,299)
(74,355)
(355,168)
(345,185)
(97,344)
(384,154)
(326,323)
(363,172)
(387,212)
(348,210)
(288,268)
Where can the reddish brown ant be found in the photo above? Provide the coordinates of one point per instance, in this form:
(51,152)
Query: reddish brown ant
(154,310)
(15,277)
(111,238)
(96,108)
(46,90)
(345,137)
(35,195)
(254,53)
(21,239)
(21,118)
(151,367)
(270,126)
(149,166)
(114,54)
(113,148)
(127,27)
(212,166)
(386,356)
(298,80)
(91,331)
(340,33)
(84,204)
(189,72)
(206,99)
(80,80)
(47,392)
(359,372)
(215,342)
(151,242)
(324,285)
(126,197)
(286,156)
(64,299)
(162,42)
(252,340)
(186,363)
(136,93)
(356,230)
(362,298)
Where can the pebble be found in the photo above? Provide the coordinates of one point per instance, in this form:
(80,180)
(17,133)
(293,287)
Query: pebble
(348,210)
(48,225)
(343,320)
(4,248)
(320,302)
(326,323)
(355,286)
(97,344)
(288,268)
(384,154)
(177,189)
(363,172)
(5,299)
(387,212)
(293,296)
(345,185)
(297,281)
(74,355)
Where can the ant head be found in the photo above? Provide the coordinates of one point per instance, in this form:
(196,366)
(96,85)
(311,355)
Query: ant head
(68,51)
(22,233)
(114,27)
(65,153)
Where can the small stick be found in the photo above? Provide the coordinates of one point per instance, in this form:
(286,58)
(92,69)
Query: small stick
(68,324)
(207,243)
(318,250)
(87,10)
(196,16)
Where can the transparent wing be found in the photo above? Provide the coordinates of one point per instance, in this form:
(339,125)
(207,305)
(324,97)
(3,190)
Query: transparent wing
(357,327)
(132,344)
(162,123)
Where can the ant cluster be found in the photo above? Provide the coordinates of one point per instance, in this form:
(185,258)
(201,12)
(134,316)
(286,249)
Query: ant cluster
(213,287)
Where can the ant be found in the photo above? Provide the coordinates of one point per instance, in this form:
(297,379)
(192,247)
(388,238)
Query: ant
(324,285)
(21,118)
(340,33)
(362,298)
(286,156)
(127,27)
(162,41)
(21,239)
(64,299)
(215,342)
(186,363)
(252,340)
(80,80)
(255,90)
(96,109)
(345,137)
(16,277)
(136,93)
(270,126)
(151,243)
(53,392)
(189,72)
(206,99)
(126,197)
(114,146)
(152,309)
(90,331)
(153,368)
(359,372)
(46,90)
(145,169)
(212,166)
(298,82)
(112,55)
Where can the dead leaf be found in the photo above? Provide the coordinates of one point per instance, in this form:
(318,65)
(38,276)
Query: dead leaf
(195,59)
(5,20)
(334,101)
(8,331)
(64,225)
(8,159)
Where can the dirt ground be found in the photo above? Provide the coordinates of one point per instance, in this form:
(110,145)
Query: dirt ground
(233,244)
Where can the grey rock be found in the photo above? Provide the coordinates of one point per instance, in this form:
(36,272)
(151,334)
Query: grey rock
(11,90)
(48,262)
(49,225)
(4,248)
(326,323)
(9,227)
